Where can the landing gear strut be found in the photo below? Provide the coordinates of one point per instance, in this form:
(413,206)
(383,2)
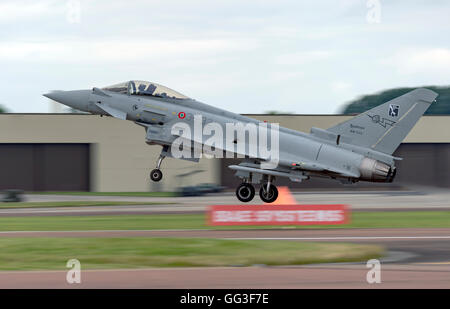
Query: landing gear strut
(245,192)
(156,174)
(268,192)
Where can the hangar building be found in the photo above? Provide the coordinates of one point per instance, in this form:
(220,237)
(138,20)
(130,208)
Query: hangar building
(80,152)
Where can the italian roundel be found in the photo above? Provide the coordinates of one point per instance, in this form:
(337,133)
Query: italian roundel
(181,115)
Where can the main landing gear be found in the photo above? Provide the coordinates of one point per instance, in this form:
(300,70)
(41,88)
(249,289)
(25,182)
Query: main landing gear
(156,174)
(245,192)
(268,192)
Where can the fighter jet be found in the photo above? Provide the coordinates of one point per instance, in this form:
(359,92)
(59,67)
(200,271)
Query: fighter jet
(359,149)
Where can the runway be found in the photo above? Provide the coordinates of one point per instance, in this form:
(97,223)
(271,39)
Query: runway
(358,201)
(292,277)
(418,258)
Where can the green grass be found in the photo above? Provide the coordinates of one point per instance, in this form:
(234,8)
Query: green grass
(401,219)
(135,194)
(110,253)
(72,204)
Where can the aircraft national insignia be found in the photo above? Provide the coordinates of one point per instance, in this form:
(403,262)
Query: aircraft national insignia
(181,115)
(393,110)
(381,121)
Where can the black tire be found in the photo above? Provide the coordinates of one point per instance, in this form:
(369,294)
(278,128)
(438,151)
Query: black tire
(271,197)
(245,192)
(156,175)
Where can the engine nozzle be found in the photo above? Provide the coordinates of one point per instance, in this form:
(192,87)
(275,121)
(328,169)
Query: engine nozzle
(376,171)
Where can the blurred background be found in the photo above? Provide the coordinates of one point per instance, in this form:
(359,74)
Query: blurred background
(297,63)
(78,152)
(301,64)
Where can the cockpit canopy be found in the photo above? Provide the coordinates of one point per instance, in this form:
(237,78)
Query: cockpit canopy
(139,87)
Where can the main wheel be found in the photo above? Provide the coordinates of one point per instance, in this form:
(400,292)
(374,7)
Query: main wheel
(268,196)
(156,175)
(245,192)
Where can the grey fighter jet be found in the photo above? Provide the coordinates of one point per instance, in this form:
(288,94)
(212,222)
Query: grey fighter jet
(359,149)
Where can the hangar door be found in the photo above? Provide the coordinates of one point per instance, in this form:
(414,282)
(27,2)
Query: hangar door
(423,164)
(44,167)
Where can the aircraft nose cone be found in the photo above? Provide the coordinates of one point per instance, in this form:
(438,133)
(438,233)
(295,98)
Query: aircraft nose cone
(77,99)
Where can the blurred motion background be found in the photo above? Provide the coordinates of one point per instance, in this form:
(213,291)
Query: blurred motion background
(290,62)
(301,64)
(78,152)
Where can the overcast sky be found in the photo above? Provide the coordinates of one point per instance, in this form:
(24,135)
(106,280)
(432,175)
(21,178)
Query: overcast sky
(243,56)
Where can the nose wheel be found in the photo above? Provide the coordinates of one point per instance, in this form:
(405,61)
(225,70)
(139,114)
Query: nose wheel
(245,192)
(156,174)
(268,193)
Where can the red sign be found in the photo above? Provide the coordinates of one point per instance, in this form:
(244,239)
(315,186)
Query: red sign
(278,215)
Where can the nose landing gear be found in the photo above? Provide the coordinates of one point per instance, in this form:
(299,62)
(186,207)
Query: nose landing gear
(156,174)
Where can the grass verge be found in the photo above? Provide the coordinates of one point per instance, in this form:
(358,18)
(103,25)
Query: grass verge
(113,253)
(401,219)
(73,204)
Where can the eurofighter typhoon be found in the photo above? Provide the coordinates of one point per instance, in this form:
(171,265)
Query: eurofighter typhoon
(359,149)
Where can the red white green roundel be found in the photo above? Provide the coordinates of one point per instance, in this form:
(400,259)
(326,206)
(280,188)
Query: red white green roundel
(181,115)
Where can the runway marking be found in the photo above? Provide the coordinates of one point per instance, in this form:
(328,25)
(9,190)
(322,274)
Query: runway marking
(324,266)
(237,238)
(434,263)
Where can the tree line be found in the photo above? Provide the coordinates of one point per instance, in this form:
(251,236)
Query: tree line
(366,102)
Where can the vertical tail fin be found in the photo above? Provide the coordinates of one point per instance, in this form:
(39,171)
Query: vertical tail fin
(384,127)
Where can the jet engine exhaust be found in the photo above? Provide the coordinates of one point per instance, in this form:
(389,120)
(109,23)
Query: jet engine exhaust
(376,171)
